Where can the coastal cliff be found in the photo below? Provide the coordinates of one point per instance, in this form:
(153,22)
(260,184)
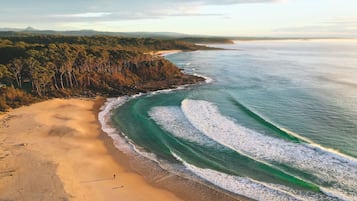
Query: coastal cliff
(36,67)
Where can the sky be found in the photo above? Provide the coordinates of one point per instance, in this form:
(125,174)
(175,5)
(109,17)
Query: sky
(209,17)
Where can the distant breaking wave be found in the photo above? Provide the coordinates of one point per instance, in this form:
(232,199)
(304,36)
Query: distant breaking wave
(330,169)
(284,133)
(281,131)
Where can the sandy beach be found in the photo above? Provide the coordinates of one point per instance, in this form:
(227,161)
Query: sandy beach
(55,150)
(163,52)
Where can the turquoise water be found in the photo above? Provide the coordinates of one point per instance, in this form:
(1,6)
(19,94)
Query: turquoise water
(278,122)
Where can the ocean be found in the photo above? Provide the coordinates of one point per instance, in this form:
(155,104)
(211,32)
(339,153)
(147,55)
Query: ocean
(276,120)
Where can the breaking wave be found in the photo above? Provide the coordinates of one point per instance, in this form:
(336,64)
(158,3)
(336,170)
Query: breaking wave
(330,170)
(249,187)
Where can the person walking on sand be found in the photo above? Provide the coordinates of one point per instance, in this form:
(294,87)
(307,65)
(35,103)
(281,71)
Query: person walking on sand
(113,176)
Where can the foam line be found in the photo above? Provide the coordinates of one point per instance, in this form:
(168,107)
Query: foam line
(339,173)
(120,140)
(250,188)
(283,131)
(104,117)
(208,80)
(173,120)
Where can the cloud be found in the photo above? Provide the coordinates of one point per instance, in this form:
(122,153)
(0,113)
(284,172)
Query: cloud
(133,9)
(49,14)
(84,15)
(350,21)
(225,2)
(343,27)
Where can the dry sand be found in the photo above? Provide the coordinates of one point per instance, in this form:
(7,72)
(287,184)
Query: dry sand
(167,52)
(54,150)
(163,52)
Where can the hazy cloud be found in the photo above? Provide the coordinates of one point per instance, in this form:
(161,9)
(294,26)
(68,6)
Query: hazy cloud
(84,15)
(80,14)
(346,27)
(225,2)
(22,10)
(351,21)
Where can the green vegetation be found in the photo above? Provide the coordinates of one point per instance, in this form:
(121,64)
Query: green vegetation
(35,67)
(12,98)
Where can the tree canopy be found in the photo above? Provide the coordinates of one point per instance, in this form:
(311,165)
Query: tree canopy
(45,66)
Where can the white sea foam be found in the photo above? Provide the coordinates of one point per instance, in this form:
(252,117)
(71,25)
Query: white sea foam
(122,142)
(104,117)
(339,172)
(165,91)
(251,188)
(173,120)
(207,79)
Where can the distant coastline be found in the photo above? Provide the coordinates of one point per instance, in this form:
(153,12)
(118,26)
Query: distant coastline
(193,38)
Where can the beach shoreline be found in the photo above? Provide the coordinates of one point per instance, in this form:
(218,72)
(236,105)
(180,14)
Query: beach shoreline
(182,183)
(163,53)
(55,150)
(60,153)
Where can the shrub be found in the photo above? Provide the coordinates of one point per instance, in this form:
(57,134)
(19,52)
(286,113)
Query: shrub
(13,98)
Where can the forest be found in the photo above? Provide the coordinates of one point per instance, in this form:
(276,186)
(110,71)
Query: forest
(38,67)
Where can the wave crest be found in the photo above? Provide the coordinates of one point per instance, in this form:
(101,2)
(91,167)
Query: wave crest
(335,171)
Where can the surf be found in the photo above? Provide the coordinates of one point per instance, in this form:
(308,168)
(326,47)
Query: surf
(249,187)
(172,119)
(283,132)
(264,121)
(333,171)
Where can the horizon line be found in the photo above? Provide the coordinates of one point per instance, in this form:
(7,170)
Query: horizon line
(34,30)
